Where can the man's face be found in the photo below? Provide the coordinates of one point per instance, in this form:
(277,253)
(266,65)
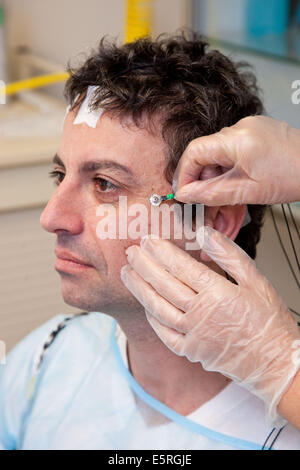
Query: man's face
(96,166)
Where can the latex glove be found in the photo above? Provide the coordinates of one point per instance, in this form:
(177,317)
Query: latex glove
(243,331)
(256,161)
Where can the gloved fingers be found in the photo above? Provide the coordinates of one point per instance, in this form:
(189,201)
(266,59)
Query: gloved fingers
(200,350)
(229,188)
(181,265)
(206,150)
(175,292)
(171,338)
(230,257)
(165,312)
(163,282)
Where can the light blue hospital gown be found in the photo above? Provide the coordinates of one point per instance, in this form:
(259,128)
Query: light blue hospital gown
(80,395)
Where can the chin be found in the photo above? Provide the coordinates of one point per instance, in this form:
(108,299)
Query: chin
(99,298)
(109,297)
(78,302)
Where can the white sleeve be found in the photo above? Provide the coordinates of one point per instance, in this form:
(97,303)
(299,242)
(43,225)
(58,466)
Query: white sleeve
(15,377)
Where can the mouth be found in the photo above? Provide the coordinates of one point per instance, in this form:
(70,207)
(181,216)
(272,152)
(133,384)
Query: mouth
(67,262)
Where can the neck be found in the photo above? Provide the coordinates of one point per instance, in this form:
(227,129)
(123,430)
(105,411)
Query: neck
(173,380)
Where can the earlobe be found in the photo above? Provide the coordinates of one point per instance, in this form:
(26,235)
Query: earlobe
(231,220)
(225,219)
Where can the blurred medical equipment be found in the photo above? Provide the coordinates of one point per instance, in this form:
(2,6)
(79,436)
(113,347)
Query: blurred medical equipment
(291,241)
(27,113)
(30,130)
(35,82)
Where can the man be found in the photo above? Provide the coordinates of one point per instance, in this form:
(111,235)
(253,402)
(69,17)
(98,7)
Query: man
(74,388)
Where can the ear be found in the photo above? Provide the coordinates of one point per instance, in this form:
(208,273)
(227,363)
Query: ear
(225,219)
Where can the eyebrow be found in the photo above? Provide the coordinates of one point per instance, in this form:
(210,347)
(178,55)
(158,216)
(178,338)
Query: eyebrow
(94,165)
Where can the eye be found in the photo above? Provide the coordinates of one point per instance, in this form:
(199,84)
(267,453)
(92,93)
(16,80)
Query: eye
(104,186)
(58,176)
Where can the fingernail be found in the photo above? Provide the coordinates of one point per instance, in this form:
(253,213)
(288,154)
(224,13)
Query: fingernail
(124,271)
(200,236)
(175,179)
(203,236)
(143,239)
(130,252)
(133,250)
(174,185)
(147,237)
(183,195)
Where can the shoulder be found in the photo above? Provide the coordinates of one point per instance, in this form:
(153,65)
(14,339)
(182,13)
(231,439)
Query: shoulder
(68,339)
(15,376)
(75,333)
(79,333)
(63,340)
(24,354)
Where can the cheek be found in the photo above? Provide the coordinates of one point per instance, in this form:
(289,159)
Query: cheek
(115,257)
(115,228)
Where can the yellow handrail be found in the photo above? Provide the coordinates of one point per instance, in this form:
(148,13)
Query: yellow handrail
(35,82)
(139,16)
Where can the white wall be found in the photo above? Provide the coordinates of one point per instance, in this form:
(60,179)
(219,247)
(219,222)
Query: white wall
(60,29)
(275,78)
(63,29)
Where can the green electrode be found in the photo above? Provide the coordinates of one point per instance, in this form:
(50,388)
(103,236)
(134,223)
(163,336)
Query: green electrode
(168,196)
(156,200)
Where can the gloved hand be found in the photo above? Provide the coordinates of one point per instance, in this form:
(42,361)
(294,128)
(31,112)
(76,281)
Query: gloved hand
(243,331)
(256,161)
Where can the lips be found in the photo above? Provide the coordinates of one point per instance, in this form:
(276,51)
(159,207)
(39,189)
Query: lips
(64,255)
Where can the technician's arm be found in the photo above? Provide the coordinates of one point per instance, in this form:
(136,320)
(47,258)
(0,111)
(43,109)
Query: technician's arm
(289,405)
(259,160)
(256,161)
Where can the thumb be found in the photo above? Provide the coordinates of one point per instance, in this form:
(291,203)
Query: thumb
(203,152)
(230,188)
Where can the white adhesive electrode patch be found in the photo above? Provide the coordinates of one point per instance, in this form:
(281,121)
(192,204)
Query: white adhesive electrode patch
(85,114)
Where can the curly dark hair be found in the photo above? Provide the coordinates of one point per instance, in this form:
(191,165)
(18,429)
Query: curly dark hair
(195,91)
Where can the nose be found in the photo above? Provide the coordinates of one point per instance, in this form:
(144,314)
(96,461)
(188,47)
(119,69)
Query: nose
(64,210)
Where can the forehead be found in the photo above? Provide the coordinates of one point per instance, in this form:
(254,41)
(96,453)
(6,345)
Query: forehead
(112,139)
